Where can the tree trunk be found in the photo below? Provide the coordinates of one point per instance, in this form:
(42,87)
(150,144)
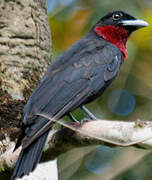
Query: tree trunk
(25,53)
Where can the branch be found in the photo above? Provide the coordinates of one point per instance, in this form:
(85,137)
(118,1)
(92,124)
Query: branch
(113,133)
(110,133)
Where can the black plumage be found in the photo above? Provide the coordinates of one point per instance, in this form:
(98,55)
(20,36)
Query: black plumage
(76,77)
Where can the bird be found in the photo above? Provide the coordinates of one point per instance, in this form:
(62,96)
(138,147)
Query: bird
(75,78)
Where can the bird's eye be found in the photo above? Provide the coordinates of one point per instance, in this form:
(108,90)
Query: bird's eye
(117,16)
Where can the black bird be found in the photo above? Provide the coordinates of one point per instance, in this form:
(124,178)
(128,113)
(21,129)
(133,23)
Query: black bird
(75,78)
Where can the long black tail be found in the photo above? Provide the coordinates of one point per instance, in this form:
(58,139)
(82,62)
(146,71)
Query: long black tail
(29,157)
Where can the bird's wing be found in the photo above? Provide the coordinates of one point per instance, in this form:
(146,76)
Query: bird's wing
(71,86)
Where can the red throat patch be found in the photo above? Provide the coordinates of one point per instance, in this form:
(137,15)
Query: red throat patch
(116,35)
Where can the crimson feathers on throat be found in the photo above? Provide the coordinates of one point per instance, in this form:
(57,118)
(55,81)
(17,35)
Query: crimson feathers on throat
(116,35)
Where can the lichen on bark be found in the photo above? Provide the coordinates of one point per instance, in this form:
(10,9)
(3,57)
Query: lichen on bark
(25,53)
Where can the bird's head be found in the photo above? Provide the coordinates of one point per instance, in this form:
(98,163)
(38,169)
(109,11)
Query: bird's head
(116,27)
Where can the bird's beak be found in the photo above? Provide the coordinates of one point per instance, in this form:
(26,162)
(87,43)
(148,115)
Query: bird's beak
(137,23)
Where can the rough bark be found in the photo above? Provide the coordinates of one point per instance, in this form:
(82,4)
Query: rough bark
(25,53)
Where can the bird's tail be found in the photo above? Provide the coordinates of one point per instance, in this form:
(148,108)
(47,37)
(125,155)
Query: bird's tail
(29,157)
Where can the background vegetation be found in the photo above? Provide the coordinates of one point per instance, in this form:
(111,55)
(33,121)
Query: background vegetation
(130,96)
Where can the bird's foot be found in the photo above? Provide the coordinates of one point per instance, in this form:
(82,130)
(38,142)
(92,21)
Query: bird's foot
(85,120)
(90,114)
(73,118)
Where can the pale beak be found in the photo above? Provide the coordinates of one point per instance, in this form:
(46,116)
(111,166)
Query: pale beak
(138,23)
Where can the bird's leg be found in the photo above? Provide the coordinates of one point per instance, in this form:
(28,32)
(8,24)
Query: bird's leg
(73,118)
(88,113)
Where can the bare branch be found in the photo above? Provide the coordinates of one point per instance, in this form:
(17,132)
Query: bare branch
(115,133)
